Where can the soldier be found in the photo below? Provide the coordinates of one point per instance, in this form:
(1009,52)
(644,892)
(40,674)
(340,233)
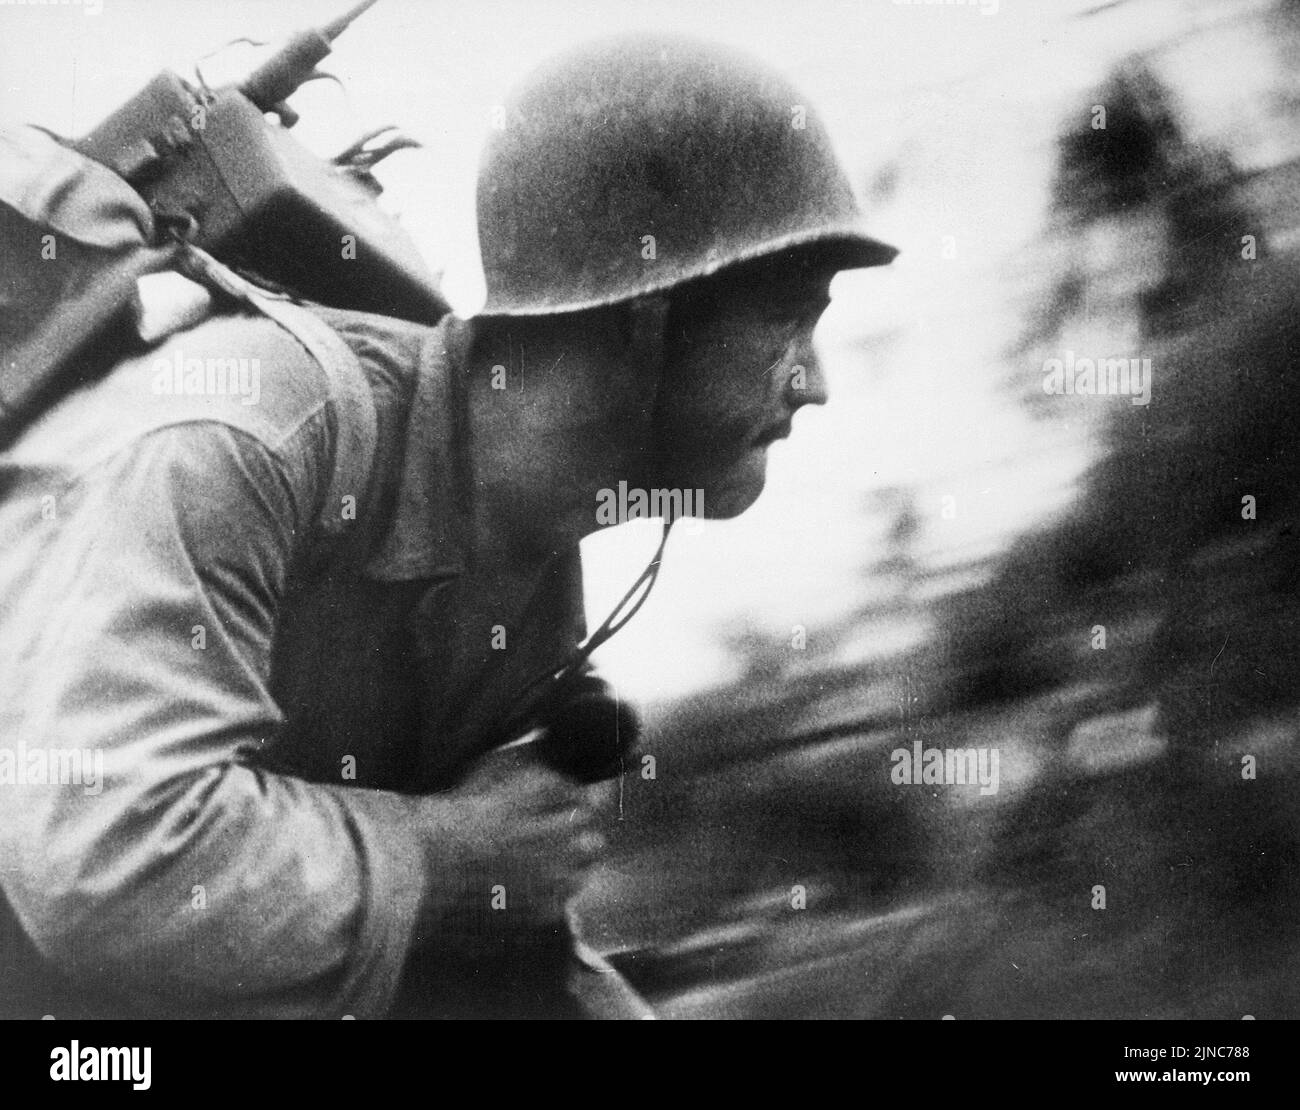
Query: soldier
(302,809)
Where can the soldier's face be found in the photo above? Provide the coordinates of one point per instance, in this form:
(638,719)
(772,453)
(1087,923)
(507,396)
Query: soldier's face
(739,365)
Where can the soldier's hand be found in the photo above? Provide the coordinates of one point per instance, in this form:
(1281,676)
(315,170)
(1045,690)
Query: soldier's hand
(527,838)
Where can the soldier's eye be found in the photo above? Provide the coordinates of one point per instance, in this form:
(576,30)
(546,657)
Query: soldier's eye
(786,313)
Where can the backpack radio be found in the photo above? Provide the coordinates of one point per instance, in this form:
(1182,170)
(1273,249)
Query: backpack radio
(208,170)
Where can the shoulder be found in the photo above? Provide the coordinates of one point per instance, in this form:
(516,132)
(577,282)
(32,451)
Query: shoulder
(241,370)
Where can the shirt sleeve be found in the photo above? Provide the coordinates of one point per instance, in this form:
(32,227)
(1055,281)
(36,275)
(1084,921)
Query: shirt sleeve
(138,604)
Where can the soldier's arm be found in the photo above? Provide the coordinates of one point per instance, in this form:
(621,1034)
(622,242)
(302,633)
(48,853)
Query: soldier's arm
(138,603)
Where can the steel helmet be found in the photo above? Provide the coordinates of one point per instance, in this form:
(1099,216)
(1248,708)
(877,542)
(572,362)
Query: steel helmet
(630,165)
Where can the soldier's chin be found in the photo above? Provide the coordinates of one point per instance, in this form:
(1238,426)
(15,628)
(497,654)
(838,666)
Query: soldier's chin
(737,489)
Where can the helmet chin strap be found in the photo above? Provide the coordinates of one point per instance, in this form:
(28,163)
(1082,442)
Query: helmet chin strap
(646,342)
(649,324)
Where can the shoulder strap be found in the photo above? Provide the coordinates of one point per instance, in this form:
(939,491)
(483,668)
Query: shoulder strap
(356,430)
(356,424)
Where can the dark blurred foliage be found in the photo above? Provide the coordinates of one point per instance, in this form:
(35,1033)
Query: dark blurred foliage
(1122,764)
(1159,527)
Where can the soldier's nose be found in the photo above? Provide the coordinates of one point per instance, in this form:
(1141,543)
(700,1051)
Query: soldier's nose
(806,384)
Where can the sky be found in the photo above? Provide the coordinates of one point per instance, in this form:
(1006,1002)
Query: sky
(962,101)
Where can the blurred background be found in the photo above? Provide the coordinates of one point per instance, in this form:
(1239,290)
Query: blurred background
(1103,591)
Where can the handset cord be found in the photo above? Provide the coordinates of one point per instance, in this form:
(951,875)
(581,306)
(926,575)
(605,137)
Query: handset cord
(607,629)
